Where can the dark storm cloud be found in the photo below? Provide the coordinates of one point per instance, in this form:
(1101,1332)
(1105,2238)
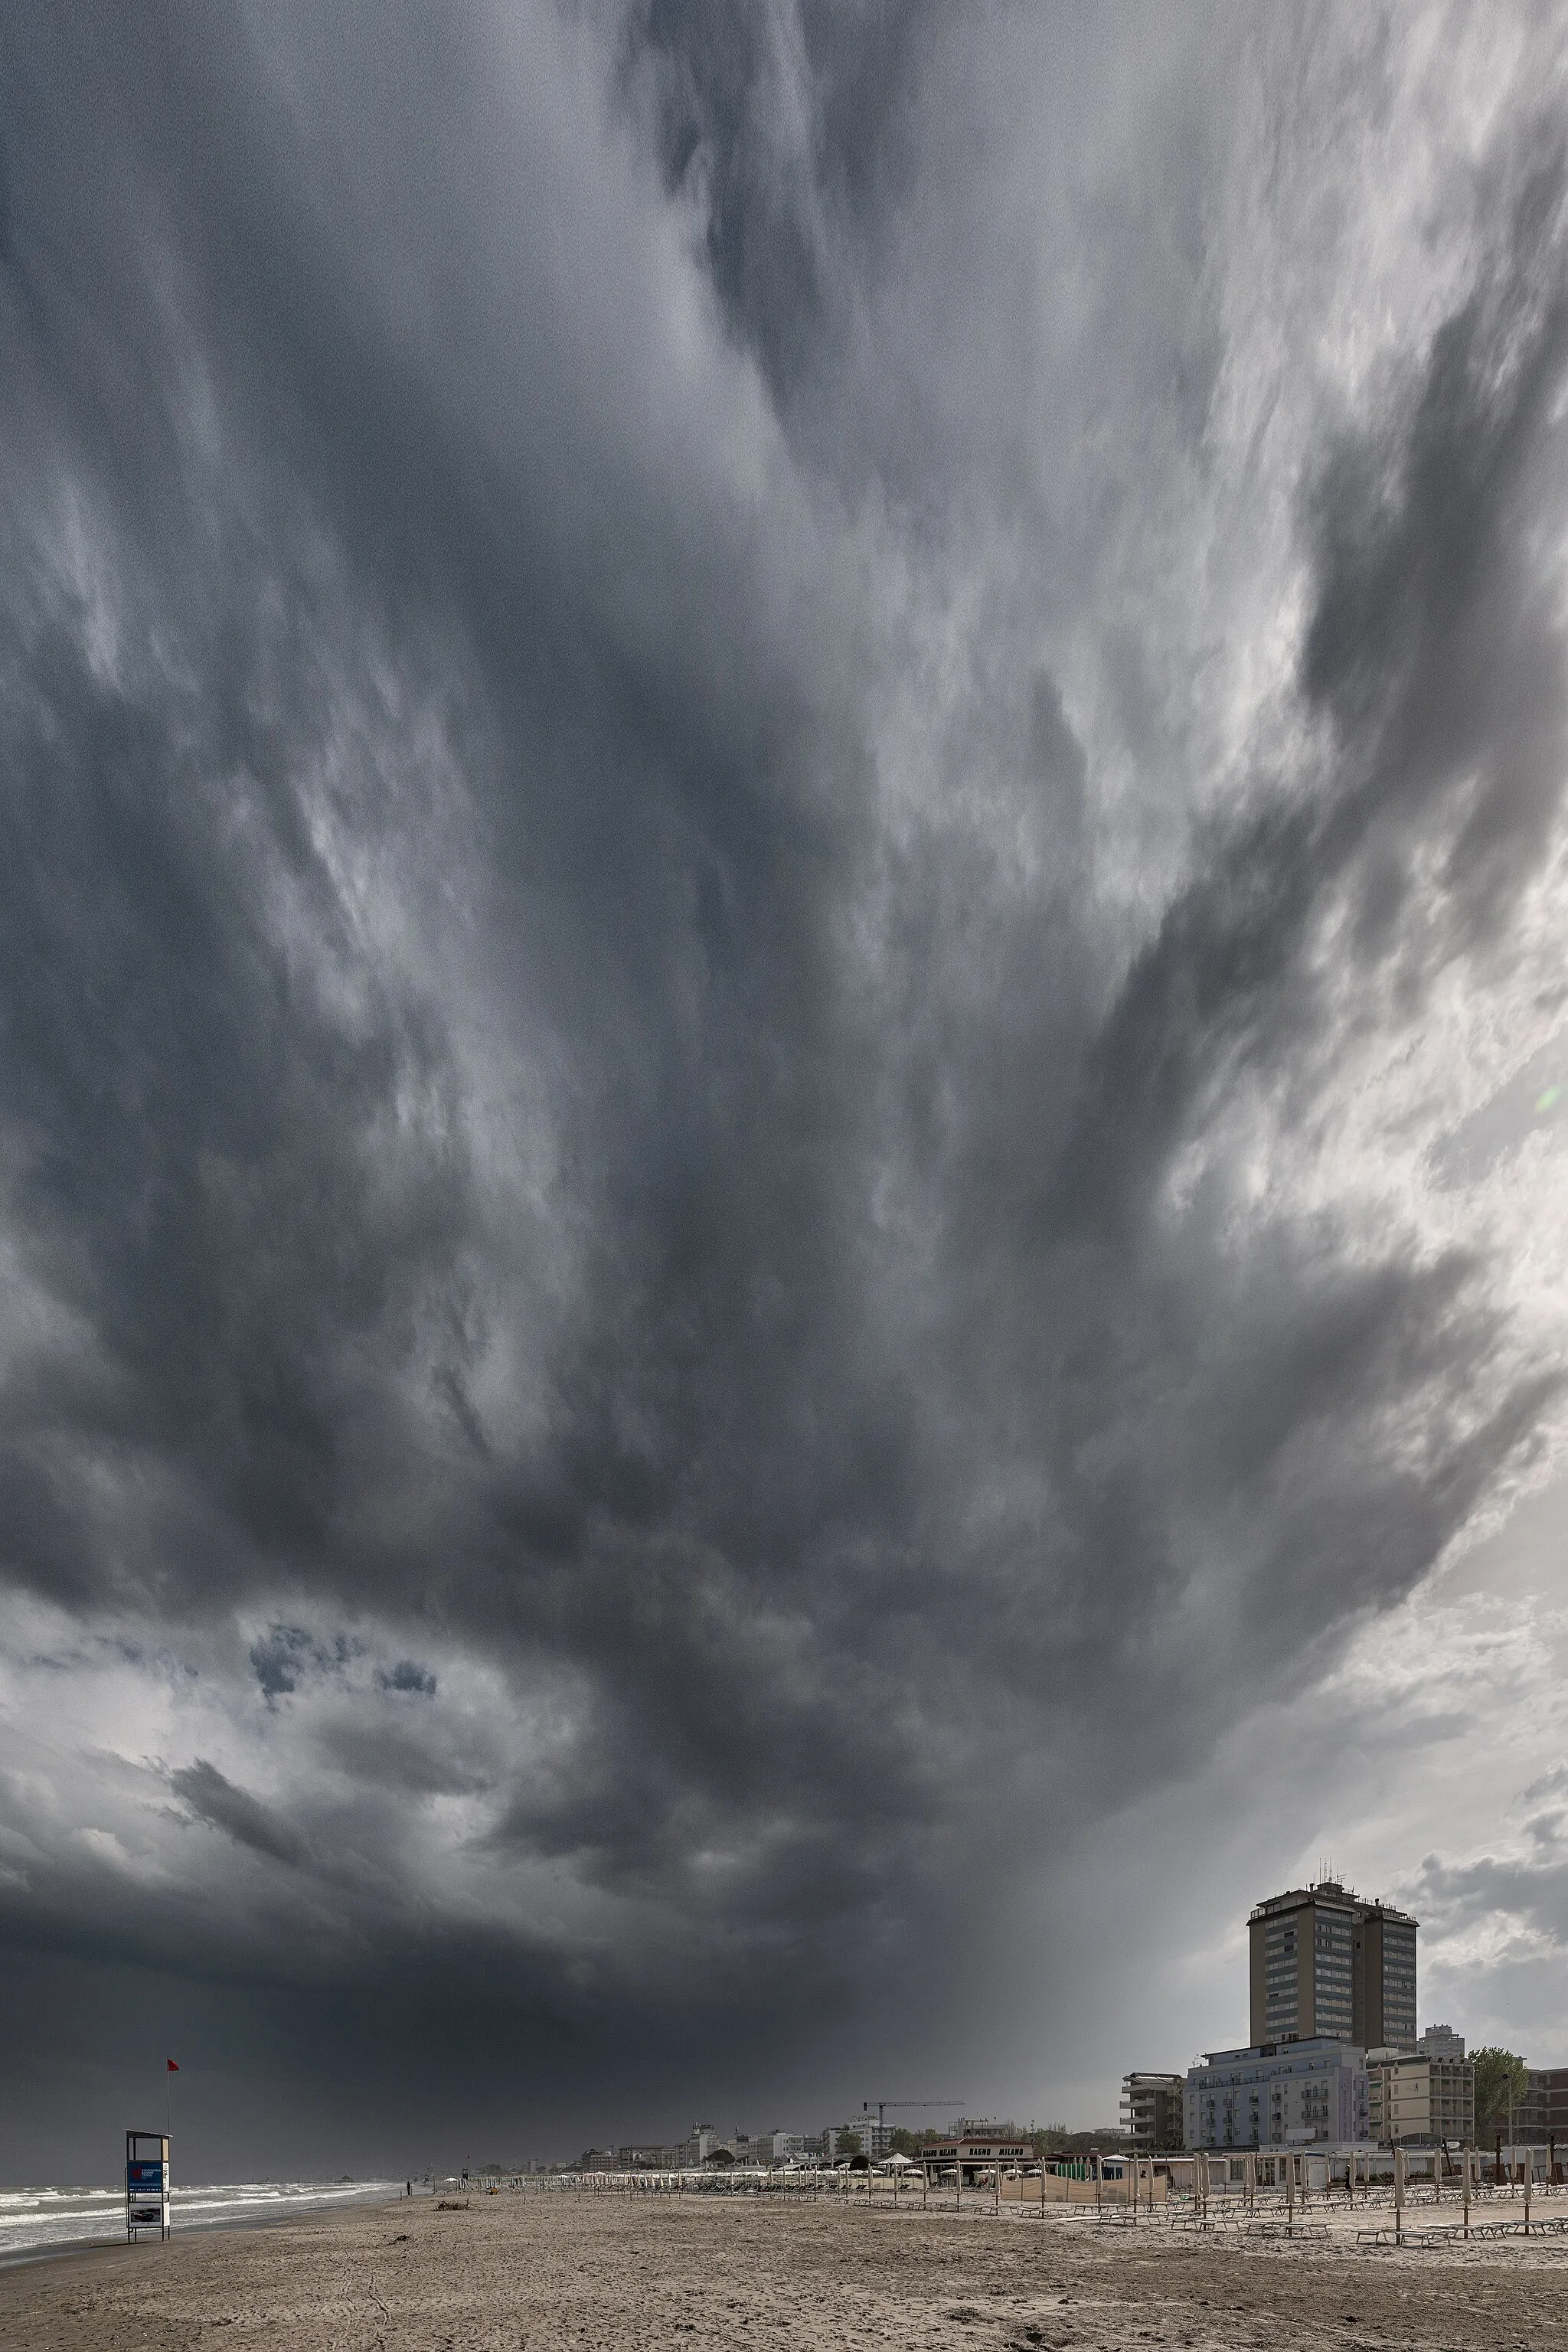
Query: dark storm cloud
(797,128)
(236,1811)
(408,1674)
(1429,654)
(660,1304)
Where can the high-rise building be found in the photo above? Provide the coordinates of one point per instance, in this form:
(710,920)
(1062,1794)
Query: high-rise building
(1385,1979)
(1325,1963)
(1304,1966)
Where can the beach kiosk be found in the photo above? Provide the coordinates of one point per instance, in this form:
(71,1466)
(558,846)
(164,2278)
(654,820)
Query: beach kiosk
(146,2184)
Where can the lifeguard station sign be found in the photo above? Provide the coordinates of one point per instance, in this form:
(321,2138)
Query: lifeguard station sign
(146,2183)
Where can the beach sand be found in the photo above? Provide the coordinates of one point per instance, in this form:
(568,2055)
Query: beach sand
(552,2270)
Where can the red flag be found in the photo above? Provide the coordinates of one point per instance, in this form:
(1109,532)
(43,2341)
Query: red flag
(171,2066)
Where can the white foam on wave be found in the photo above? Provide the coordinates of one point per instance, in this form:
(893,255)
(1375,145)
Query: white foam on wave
(31,2219)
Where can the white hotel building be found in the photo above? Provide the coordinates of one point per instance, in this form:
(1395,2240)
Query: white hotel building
(1286,2095)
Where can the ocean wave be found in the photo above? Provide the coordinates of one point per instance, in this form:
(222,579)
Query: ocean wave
(36,2218)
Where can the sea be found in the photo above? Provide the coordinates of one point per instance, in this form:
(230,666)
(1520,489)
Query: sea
(34,2220)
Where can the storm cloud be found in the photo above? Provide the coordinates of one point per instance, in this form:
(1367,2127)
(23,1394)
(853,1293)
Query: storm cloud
(781,881)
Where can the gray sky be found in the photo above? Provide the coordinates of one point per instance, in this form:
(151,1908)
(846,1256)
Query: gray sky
(781,1002)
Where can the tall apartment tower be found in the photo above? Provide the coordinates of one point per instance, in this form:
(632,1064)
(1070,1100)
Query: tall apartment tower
(1326,1963)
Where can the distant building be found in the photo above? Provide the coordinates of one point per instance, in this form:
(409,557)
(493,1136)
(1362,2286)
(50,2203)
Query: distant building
(1298,2094)
(1326,1965)
(1417,2100)
(1441,2041)
(1151,2111)
(647,2155)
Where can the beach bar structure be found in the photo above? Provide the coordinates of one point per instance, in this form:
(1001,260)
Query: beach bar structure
(146,2183)
(973,2159)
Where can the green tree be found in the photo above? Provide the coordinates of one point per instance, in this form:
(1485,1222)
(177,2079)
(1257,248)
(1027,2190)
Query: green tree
(1501,2077)
(722,2156)
(850,2144)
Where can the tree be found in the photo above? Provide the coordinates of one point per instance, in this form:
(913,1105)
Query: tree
(722,2156)
(1054,2139)
(1500,2078)
(850,2144)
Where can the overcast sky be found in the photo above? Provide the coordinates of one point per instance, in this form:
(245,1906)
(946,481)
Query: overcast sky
(782,903)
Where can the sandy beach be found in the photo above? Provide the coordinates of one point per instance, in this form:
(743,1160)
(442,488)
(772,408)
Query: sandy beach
(547,2270)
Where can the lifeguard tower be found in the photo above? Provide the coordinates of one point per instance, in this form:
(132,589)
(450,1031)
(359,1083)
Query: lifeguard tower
(146,2184)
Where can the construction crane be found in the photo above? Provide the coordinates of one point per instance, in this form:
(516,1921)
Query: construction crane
(899,2105)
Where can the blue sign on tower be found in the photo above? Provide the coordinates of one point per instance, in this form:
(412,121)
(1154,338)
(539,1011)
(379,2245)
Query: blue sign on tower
(146,2183)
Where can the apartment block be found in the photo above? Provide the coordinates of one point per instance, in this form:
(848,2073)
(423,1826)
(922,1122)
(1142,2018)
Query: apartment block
(1415,2100)
(1151,2111)
(1545,2114)
(1325,1964)
(1301,2094)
